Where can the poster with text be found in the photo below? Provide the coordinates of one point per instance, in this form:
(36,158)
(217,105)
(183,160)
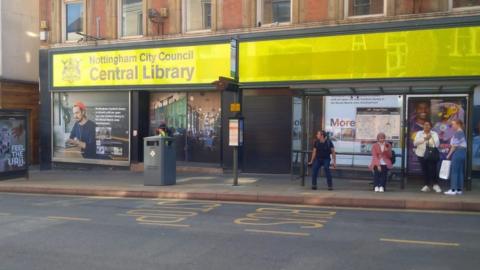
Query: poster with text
(372,121)
(440,112)
(340,121)
(13,142)
(91,127)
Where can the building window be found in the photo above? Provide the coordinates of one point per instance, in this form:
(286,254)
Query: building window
(273,11)
(73,19)
(132,17)
(464,3)
(365,7)
(197,15)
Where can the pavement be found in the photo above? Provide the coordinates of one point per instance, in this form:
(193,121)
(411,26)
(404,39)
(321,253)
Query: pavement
(43,232)
(253,188)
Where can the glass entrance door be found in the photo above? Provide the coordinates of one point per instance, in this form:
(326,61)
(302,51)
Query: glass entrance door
(193,119)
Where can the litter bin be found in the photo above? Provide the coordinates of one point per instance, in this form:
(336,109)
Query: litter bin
(159,161)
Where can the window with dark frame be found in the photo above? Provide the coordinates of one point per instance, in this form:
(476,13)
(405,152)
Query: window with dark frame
(281,11)
(364,7)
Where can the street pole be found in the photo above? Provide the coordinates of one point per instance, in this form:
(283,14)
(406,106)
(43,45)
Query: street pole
(235,148)
(235,165)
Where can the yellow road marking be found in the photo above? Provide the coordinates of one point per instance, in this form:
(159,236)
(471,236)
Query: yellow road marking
(420,242)
(166,225)
(4,214)
(69,218)
(278,232)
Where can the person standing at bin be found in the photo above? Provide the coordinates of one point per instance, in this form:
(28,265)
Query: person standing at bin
(162,130)
(458,154)
(381,162)
(323,148)
(423,139)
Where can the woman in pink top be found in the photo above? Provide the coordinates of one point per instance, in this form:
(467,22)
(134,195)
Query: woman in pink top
(381,162)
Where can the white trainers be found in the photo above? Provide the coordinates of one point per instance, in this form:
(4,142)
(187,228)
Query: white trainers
(450,192)
(376,189)
(381,189)
(459,192)
(425,189)
(437,188)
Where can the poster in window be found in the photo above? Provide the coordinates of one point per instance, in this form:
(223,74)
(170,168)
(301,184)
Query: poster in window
(440,112)
(372,121)
(91,128)
(476,139)
(13,142)
(340,121)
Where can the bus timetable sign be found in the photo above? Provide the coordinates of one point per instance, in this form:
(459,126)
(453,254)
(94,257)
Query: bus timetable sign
(13,144)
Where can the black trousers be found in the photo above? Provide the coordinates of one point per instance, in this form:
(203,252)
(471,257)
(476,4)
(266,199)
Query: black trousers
(380,177)
(429,170)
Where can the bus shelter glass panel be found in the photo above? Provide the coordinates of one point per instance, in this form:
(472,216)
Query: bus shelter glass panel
(353,123)
(440,111)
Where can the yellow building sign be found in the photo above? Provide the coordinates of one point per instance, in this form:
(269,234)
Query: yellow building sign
(153,66)
(448,52)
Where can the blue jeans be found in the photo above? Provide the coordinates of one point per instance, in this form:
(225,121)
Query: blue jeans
(317,164)
(457,175)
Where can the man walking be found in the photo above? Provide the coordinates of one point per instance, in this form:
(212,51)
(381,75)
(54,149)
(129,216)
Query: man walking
(322,150)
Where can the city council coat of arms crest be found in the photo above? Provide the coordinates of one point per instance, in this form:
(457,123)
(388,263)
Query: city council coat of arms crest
(71,70)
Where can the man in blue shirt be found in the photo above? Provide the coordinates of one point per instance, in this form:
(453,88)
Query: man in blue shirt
(83,131)
(322,150)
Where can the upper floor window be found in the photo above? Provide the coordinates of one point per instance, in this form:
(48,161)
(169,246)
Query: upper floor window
(132,17)
(73,19)
(464,3)
(273,11)
(364,7)
(197,15)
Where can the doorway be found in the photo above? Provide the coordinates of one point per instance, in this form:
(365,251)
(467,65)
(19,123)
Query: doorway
(193,119)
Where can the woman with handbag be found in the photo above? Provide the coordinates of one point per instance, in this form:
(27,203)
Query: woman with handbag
(458,154)
(426,143)
(381,162)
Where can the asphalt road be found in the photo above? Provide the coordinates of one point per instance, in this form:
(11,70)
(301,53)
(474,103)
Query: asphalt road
(61,232)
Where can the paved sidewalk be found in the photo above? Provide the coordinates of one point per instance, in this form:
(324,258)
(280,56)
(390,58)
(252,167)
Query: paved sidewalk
(253,188)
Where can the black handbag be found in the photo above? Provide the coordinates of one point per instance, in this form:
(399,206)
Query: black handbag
(431,153)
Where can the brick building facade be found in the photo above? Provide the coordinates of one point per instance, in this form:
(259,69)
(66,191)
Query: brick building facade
(156,61)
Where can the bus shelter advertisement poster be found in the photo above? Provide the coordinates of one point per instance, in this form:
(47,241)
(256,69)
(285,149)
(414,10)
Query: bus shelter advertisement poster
(440,112)
(476,138)
(91,128)
(353,123)
(12,143)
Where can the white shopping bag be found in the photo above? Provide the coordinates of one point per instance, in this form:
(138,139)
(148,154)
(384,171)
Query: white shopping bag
(445,169)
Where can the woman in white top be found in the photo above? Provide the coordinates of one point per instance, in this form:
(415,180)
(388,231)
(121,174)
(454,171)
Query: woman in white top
(429,167)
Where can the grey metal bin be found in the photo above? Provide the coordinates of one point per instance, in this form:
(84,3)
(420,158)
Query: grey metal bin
(159,161)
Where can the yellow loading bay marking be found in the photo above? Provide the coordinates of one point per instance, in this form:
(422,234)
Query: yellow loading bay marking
(170,213)
(416,242)
(304,219)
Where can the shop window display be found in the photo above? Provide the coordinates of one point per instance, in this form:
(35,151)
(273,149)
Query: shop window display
(91,128)
(194,121)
